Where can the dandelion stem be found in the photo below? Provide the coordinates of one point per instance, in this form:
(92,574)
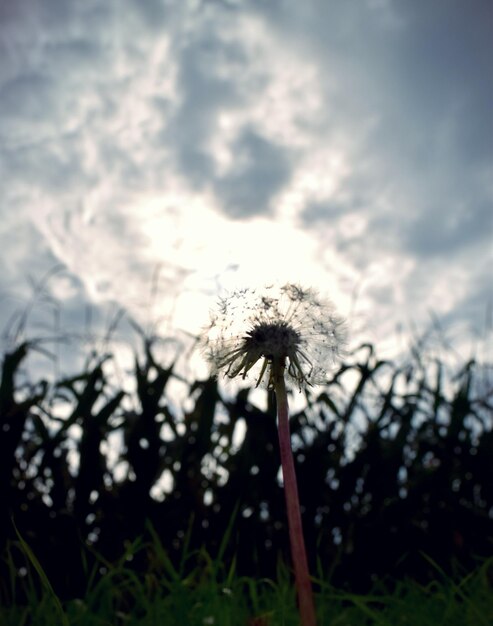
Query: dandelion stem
(298,551)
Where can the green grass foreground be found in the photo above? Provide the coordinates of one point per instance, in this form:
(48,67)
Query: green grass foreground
(211,595)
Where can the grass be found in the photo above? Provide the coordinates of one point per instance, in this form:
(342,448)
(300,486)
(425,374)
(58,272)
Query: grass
(122,599)
(213,595)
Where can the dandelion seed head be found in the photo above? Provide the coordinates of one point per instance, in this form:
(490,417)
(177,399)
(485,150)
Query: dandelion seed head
(251,329)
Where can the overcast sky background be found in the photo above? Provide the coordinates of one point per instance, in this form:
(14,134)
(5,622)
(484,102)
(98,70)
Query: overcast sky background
(162,151)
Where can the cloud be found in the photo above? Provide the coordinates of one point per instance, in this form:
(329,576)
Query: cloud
(458,227)
(205,89)
(260,170)
(347,145)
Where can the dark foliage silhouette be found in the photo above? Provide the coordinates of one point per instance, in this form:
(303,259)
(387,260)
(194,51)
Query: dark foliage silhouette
(394,465)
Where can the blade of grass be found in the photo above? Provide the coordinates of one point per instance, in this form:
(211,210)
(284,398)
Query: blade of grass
(41,573)
(457,590)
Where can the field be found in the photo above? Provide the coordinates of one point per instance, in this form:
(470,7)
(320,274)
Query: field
(395,473)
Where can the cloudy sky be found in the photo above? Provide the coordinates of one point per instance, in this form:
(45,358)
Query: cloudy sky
(155,152)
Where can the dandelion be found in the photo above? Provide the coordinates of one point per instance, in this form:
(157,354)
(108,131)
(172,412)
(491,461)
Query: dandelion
(264,329)
(290,334)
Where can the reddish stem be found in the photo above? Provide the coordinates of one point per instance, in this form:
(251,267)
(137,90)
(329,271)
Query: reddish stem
(298,552)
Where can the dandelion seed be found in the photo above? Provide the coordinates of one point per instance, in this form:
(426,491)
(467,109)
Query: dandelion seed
(253,329)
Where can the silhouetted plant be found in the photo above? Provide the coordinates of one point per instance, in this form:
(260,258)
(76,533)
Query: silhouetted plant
(394,461)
